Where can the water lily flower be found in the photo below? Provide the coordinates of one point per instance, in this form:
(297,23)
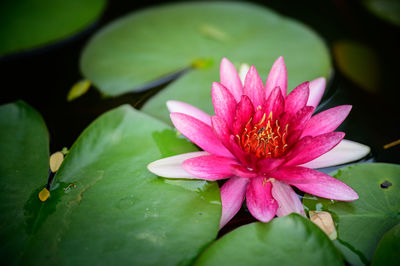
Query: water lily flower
(264,141)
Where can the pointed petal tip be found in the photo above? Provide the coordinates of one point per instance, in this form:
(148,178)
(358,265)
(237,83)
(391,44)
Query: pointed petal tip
(327,121)
(277,77)
(171,167)
(345,152)
(317,89)
(280,61)
(243,70)
(316,183)
(199,133)
(280,58)
(252,73)
(355,196)
(287,199)
(340,135)
(171,104)
(185,108)
(348,107)
(150,167)
(265,219)
(320,81)
(216,85)
(344,109)
(225,60)
(348,195)
(260,201)
(232,196)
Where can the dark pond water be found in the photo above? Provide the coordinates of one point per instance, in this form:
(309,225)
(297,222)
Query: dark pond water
(43,78)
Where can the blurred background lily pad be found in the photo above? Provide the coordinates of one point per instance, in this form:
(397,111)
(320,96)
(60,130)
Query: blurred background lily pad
(30,24)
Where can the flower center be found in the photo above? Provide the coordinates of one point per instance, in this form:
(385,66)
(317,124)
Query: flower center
(266,139)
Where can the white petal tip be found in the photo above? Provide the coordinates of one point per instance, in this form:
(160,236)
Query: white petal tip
(172,166)
(345,152)
(244,68)
(170,105)
(319,81)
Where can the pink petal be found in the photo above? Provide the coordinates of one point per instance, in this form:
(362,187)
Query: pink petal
(297,99)
(293,137)
(287,199)
(277,77)
(309,148)
(244,112)
(224,103)
(259,199)
(230,79)
(259,113)
(232,196)
(346,151)
(209,167)
(254,87)
(238,152)
(317,89)
(241,171)
(297,123)
(316,183)
(199,133)
(326,121)
(185,108)
(275,103)
(301,119)
(172,166)
(269,164)
(221,130)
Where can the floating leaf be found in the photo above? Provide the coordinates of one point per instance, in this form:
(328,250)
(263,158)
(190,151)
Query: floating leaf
(290,240)
(29,24)
(362,223)
(105,207)
(145,46)
(388,10)
(359,63)
(388,249)
(78,89)
(24,166)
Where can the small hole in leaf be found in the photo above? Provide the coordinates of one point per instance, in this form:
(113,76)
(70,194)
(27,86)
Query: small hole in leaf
(386,184)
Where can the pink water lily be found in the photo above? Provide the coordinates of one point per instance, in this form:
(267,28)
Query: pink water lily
(264,141)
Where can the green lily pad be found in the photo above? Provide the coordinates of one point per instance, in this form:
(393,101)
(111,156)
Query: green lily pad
(359,63)
(145,46)
(362,223)
(24,166)
(290,240)
(29,24)
(388,249)
(106,208)
(388,10)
